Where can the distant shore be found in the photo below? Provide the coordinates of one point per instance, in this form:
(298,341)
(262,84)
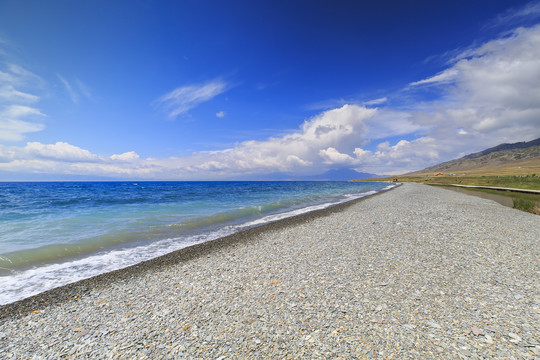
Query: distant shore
(416,271)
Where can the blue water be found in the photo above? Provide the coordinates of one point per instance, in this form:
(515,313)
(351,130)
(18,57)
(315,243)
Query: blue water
(55,233)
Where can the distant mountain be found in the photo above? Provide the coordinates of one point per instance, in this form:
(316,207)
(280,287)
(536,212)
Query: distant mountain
(505,149)
(498,155)
(343,174)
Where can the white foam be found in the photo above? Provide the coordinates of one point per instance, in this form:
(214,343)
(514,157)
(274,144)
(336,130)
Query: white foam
(33,281)
(36,280)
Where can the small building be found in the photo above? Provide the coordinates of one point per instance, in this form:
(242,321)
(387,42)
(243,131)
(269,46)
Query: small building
(438,174)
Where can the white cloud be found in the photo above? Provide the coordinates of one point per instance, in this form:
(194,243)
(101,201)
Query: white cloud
(376,101)
(489,95)
(16,117)
(14,130)
(9,94)
(184,98)
(530,11)
(497,88)
(446,76)
(221,114)
(72,93)
(332,156)
(15,122)
(335,103)
(64,158)
(83,89)
(60,151)
(76,91)
(17,76)
(128,156)
(328,134)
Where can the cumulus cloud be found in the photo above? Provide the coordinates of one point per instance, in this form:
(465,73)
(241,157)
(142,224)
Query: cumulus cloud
(333,131)
(128,156)
(496,88)
(184,98)
(64,158)
(332,156)
(220,114)
(60,151)
(489,95)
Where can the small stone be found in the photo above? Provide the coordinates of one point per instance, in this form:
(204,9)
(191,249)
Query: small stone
(514,338)
(477,331)
(434,324)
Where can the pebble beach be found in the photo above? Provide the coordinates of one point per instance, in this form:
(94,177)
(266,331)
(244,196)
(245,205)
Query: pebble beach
(416,272)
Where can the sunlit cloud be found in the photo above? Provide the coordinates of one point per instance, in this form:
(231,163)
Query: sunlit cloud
(488,95)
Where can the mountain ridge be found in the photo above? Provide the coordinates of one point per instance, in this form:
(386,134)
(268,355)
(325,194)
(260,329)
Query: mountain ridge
(494,156)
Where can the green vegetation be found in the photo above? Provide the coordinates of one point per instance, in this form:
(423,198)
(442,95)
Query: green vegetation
(518,200)
(530,182)
(526,205)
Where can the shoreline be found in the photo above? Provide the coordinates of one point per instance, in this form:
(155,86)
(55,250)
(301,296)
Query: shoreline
(79,288)
(417,272)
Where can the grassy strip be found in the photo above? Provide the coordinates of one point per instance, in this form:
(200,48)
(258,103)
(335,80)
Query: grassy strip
(521,201)
(530,182)
(526,205)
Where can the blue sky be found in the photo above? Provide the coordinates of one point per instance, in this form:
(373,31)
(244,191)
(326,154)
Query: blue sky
(194,90)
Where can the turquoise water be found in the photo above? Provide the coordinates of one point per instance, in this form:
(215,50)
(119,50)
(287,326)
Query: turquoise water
(52,233)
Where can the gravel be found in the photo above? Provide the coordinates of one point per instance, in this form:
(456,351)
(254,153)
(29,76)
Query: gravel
(415,272)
